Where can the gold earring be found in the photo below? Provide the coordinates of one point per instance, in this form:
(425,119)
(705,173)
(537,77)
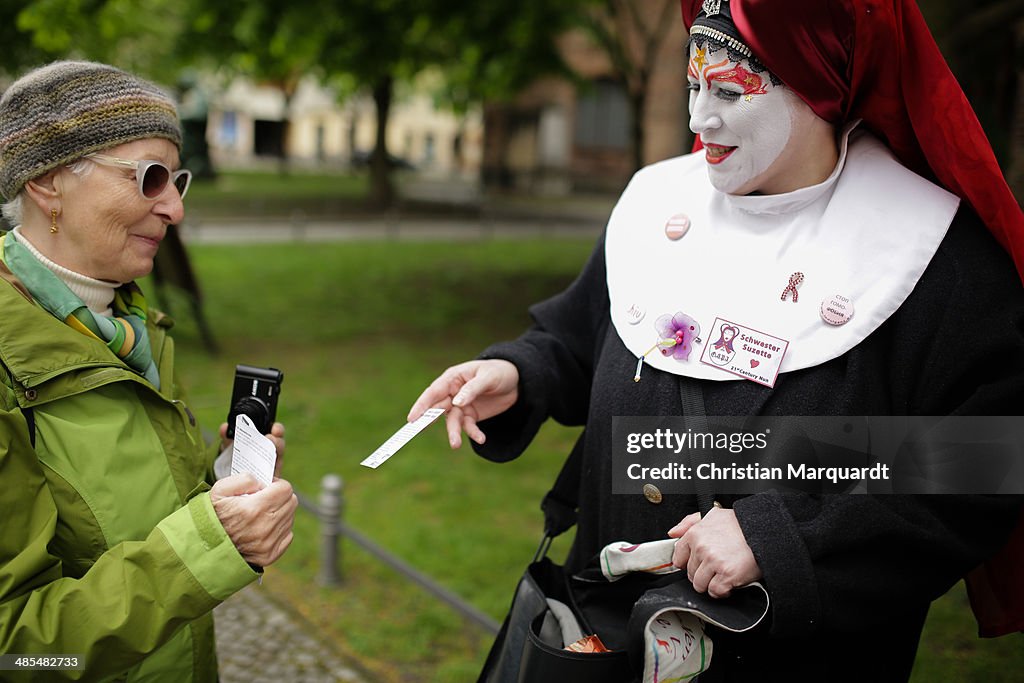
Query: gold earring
(53,222)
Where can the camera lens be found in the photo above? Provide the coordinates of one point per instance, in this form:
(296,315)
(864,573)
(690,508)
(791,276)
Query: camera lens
(256,410)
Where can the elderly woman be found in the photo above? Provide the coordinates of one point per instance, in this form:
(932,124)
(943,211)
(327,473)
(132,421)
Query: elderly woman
(114,548)
(833,212)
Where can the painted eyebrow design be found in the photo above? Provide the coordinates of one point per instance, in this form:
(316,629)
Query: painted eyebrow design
(694,65)
(712,76)
(751,83)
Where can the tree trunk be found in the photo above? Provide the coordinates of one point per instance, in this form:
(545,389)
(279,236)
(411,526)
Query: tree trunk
(638,108)
(283,163)
(382,191)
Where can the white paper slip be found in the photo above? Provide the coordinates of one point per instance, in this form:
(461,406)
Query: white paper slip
(401,437)
(253,452)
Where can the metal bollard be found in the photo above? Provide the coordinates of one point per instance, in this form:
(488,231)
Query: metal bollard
(331,504)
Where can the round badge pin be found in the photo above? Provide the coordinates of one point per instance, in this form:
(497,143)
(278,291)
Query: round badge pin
(635,313)
(836,309)
(677,226)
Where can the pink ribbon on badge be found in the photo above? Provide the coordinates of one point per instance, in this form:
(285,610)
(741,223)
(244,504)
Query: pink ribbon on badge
(794,281)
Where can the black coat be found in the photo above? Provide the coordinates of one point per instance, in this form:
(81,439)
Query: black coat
(850,576)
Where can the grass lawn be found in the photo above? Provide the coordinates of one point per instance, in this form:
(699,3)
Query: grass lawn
(359,329)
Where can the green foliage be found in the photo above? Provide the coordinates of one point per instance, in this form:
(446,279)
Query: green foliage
(500,47)
(489,51)
(18,47)
(113,31)
(272,40)
(375,39)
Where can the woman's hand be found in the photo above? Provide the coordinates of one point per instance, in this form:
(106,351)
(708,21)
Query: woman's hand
(471,392)
(276,435)
(714,552)
(259,524)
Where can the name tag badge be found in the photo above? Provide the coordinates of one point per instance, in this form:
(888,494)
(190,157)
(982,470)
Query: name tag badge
(745,352)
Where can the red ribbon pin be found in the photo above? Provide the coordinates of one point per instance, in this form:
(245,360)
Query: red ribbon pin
(794,281)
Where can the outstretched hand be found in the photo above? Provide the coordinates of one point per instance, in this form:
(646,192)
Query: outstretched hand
(470,393)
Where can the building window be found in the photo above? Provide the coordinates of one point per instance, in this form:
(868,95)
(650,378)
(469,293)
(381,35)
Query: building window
(603,118)
(321,142)
(429,150)
(228,132)
(268,138)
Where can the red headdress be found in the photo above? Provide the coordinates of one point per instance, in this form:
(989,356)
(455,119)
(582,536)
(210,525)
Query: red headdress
(876,60)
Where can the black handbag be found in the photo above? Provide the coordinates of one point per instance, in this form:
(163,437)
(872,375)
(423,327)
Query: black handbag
(522,653)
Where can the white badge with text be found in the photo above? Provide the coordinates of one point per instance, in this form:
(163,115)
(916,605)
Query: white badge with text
(745,352)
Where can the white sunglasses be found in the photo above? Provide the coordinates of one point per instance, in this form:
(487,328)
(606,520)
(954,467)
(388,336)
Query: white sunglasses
(152,176)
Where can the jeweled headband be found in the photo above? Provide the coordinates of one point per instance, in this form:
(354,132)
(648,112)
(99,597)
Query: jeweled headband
(714,27)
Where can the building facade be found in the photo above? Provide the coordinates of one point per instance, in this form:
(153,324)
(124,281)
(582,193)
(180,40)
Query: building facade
(252,125)
(558,136)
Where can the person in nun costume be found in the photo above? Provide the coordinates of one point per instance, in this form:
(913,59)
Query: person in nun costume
(847,209)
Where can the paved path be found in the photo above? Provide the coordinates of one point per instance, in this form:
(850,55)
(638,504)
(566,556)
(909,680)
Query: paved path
(259,642)
(433,229)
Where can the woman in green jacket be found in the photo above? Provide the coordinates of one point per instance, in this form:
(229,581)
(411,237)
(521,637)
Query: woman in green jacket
(114,548)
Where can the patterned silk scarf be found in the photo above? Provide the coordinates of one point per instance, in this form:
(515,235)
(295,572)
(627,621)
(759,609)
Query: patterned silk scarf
(124,333)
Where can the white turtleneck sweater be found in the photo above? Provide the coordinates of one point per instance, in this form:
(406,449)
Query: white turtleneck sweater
(96,294)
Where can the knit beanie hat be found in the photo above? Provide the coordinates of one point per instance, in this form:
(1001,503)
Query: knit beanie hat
(60,112)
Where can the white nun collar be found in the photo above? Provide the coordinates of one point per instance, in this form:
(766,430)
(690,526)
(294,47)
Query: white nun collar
(866,233)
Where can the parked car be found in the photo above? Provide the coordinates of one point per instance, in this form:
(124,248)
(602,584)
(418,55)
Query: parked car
(361,160)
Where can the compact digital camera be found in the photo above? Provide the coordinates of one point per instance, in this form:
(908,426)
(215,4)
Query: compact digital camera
(255,395)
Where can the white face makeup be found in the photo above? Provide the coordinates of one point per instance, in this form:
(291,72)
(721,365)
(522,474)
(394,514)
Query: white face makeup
(747,124)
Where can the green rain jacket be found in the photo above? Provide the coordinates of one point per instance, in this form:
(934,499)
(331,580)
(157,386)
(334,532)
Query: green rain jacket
(109,546)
